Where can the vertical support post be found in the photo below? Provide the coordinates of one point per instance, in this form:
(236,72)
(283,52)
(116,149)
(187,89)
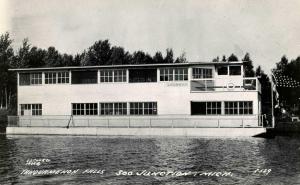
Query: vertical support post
(98,76)
(129,120)
(272,102)
(70,77)
(256,84)
(127,75)
(17,93)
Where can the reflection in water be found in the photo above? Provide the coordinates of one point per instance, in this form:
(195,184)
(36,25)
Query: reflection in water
(241,156)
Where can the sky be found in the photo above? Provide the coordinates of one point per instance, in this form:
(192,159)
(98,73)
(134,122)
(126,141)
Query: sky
(203,29)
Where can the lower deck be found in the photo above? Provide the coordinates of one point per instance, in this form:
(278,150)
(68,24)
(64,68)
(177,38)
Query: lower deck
(156,121)
(166,125)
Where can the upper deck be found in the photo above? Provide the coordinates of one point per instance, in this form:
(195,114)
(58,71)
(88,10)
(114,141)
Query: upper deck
(197,76)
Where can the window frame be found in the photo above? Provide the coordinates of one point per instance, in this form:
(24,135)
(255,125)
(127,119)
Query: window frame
(173,74)
(227,70)
(112,108)
(180,74)
(35,109)
(63,79)
(212,108)
(50,77)
(143,108)
(238,108)
(84,109)
(57,77)
(230,71)
(202,73)
(36,78)
(24,79)
(166,74)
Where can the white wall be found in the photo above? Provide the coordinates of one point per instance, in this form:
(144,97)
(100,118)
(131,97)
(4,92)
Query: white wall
(171,97)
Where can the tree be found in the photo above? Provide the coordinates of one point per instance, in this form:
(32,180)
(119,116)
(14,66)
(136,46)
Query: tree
(181,58)
(36,57)
(139,57)
(289,96)
(224,58)
(67,60)
(6,59)
(265,90)
(99,53)
(79,59)
(248,66)
(119,56)
(21,60)
(282,64)
(169,56)
(158,58)
(232,58)
(216,59)
(293,68)
(53,58)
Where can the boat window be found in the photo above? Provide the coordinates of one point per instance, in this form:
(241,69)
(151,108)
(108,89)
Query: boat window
(63,77)
(81,109)
(203,85)
(202,73)
(120,75)
(31,109)
(50,78)
(106,75)
(24,79)
(143,108)
(173,74)
(235,70)
(84,77)
(57,77)
(119,108)
(241,107)
(142,75)
(222,70)
(35,78)
(205,108)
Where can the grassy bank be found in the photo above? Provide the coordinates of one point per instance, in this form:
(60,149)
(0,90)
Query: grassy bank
(285,129)
(293,127)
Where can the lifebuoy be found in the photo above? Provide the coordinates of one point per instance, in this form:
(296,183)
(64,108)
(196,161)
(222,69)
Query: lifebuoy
(230,86)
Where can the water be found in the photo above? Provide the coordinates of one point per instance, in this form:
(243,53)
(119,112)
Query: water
(239,156)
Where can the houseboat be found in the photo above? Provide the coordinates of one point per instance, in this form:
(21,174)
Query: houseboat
(188,99)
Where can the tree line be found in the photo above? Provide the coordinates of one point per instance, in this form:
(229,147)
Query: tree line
(289,97)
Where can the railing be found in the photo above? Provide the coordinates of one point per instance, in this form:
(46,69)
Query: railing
(225,84)
(166,121)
